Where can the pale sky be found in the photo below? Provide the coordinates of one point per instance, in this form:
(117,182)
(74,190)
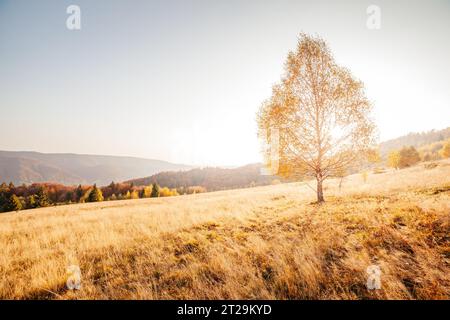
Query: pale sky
(182,80)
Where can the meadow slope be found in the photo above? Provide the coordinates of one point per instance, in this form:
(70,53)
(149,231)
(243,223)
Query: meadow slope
(260,243)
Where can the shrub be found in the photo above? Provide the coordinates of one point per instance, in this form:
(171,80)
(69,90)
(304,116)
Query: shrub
(166,192)
(408,157)
(378,170)
(445,151)
(195,189)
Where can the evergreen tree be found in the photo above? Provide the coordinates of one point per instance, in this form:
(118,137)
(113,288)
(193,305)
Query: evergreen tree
(3,187)
(95,195)
(155,191)
(78,193)
(42,198)
(113,187)
(69,196)
(3,201)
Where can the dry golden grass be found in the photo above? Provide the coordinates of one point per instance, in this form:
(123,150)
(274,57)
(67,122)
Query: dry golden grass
(260,243)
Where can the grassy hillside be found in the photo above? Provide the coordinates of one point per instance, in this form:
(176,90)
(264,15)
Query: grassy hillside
(266,242)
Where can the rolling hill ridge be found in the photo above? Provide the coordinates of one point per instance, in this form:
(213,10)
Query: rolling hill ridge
(69,169)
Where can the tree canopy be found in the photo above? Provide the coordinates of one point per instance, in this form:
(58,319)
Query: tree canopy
(320,115)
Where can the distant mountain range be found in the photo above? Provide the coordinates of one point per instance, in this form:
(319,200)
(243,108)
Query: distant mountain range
(69,169)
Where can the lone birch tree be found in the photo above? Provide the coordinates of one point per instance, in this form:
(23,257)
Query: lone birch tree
(320,114)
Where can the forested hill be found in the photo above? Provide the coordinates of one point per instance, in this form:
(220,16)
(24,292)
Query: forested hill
(210,178)
(415,140)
